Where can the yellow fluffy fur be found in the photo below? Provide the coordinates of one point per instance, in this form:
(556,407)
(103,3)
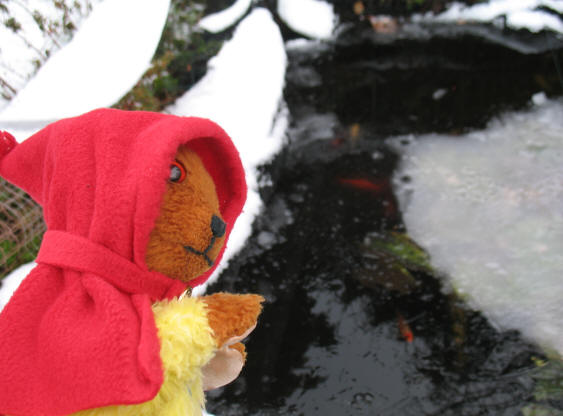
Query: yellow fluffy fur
(187,344)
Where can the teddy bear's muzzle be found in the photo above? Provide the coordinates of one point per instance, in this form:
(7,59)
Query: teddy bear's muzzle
(218,228)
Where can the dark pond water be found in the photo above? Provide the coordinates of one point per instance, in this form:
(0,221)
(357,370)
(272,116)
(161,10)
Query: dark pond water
(344,333)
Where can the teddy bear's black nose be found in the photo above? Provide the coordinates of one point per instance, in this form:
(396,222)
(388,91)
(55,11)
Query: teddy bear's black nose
(218,226)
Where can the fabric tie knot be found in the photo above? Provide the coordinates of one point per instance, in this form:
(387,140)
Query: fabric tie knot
(68,251)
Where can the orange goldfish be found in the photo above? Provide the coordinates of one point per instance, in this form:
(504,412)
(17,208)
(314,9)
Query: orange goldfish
(404,328)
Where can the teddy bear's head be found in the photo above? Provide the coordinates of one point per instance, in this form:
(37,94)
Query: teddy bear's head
(189,232)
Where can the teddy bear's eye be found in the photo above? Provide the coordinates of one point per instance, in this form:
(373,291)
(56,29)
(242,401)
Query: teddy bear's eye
(177,172)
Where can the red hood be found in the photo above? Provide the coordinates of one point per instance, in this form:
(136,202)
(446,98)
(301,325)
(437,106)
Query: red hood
(79,332)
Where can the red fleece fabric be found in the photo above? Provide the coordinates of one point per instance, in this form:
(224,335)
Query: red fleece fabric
(79,332)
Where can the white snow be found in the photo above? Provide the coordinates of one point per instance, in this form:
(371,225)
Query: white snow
(488,208)
(539,98)
(18,51)
(519,14)
(11,282)
(242,92)
(312,18)
(217,22)
(106,57)
(439,94)
(534,20)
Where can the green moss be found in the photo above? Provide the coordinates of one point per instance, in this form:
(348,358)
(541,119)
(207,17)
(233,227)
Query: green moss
(10,258)
(22,228)
(7,247)
(13,25)
(389,260)
(404,249)
(540,410)
(549,387)
(549,379)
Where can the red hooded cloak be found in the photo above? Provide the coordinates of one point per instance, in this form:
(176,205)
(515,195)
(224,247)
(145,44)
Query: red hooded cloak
(79,332)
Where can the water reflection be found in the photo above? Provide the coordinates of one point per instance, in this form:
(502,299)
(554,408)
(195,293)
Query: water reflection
(357,322)
(330,343)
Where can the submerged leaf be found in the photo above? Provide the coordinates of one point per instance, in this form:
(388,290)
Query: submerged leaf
(400,245)
(540,410)
(549,378)
(382,270)
(549,388)
(389,260)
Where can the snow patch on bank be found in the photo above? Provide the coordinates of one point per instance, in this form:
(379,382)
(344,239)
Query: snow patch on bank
(312,18)
(242,92)
(39,33)
(488,208)
(104,60)
(516,14)
(217,22)
(11,282)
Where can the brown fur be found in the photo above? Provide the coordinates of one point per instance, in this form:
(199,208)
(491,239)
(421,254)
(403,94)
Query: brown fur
(185,219)
(239,346)
(231,315)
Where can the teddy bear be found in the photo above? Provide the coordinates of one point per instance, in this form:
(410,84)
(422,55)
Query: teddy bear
(138,207)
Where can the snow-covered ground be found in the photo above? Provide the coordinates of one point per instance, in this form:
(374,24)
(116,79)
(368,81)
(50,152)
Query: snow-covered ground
(312,18)
(104,60)
(11,282)
(31,30)
(488,208)
(217,22)
(516,14)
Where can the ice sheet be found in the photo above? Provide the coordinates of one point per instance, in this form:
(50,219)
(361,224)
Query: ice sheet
(488,207)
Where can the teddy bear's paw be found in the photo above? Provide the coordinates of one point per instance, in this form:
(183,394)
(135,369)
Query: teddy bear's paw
(227,363)
(223,368)
(231,318)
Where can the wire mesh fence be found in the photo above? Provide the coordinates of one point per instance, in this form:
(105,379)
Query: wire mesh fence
(21,227)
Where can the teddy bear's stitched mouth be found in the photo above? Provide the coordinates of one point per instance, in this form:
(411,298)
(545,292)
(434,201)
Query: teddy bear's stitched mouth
(205,252)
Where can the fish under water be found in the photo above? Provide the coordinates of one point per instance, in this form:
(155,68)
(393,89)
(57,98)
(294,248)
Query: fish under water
(363,184)
(404,328)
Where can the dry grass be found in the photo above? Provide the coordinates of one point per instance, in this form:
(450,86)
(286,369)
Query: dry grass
(21,227)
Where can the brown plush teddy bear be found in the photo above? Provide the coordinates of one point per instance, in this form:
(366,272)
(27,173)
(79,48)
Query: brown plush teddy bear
(138,208)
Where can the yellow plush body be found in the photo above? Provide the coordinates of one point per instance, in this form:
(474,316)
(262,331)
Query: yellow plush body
(187,344)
